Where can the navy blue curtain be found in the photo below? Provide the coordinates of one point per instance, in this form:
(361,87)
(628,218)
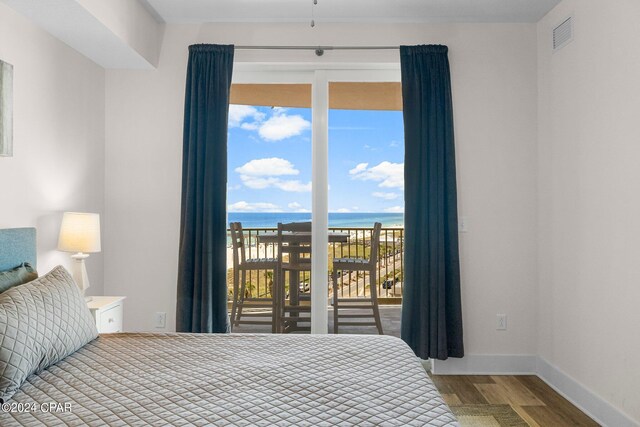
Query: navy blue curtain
(431,306)
(202,271)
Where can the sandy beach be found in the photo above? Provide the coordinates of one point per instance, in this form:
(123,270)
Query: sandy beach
(261,251)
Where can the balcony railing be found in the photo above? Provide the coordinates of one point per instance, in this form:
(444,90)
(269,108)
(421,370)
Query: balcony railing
(390,274)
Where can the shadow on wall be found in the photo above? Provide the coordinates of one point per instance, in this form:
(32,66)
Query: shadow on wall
(48,227)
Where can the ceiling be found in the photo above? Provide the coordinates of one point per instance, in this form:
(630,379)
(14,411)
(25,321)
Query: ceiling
(383,11)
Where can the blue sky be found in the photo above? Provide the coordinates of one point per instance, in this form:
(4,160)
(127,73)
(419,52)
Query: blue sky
(270,160)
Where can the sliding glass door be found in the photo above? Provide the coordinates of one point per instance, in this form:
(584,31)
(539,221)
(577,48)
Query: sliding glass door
(269,183)
(366,186)
(303,91)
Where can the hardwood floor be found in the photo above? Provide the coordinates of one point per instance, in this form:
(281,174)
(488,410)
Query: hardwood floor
(531,398)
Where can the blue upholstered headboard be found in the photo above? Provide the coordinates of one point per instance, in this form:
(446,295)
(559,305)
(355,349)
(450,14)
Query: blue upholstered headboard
(17,245)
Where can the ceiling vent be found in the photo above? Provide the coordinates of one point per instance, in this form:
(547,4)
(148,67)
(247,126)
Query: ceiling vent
(563,34)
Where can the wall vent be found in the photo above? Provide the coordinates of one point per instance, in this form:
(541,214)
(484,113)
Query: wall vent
(563,34)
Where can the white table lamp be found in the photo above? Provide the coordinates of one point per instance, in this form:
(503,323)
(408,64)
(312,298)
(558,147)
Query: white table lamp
(80,234)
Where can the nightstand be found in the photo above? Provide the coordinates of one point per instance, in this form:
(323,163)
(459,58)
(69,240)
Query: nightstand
(107,313)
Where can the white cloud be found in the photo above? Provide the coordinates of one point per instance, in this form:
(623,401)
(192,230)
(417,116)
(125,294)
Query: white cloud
(343,210)
(293,186)
(239,113)
(297,207)
(259,174)
(361,167)
(243,206)
(388,174)
(395,209)
(385,196)
(394,144)
(273,166)
(258,183)
(277,127)
(250,126)
(282,126)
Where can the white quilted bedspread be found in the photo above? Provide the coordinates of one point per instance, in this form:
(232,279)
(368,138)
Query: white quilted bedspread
(243,380)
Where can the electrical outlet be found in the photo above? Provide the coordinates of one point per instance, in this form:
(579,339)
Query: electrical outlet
(501,322)
(463,224)
(160,320)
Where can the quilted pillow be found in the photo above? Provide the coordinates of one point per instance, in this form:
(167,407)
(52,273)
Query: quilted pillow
(22,274)
(41,323)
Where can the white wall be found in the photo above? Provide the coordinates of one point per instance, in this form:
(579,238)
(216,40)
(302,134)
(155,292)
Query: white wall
(589,199)
(58,138)
(494,84)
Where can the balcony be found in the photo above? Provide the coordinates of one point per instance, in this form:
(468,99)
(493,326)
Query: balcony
(259,284)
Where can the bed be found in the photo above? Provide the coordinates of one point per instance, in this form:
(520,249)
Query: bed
(246,380)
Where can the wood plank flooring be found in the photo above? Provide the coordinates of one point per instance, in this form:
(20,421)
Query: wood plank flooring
(530,397)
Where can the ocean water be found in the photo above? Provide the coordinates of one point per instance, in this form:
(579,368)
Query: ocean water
(360,219)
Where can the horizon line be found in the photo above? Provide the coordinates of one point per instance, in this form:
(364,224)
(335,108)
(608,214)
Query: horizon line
(258,212)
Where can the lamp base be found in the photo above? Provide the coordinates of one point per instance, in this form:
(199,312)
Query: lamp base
(79,271)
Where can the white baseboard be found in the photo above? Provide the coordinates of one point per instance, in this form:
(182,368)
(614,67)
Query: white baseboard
(486,364)
(522,364)
(587,401)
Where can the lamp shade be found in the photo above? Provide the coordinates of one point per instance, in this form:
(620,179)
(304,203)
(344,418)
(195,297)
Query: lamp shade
(80,232)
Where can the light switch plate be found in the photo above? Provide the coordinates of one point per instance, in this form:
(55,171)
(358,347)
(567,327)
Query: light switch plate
(501,322)
(160,320)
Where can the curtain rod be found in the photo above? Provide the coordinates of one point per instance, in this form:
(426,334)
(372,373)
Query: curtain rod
(317,47)
(319,50)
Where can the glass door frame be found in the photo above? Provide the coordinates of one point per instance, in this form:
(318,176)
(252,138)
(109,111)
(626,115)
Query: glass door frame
(318,76)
